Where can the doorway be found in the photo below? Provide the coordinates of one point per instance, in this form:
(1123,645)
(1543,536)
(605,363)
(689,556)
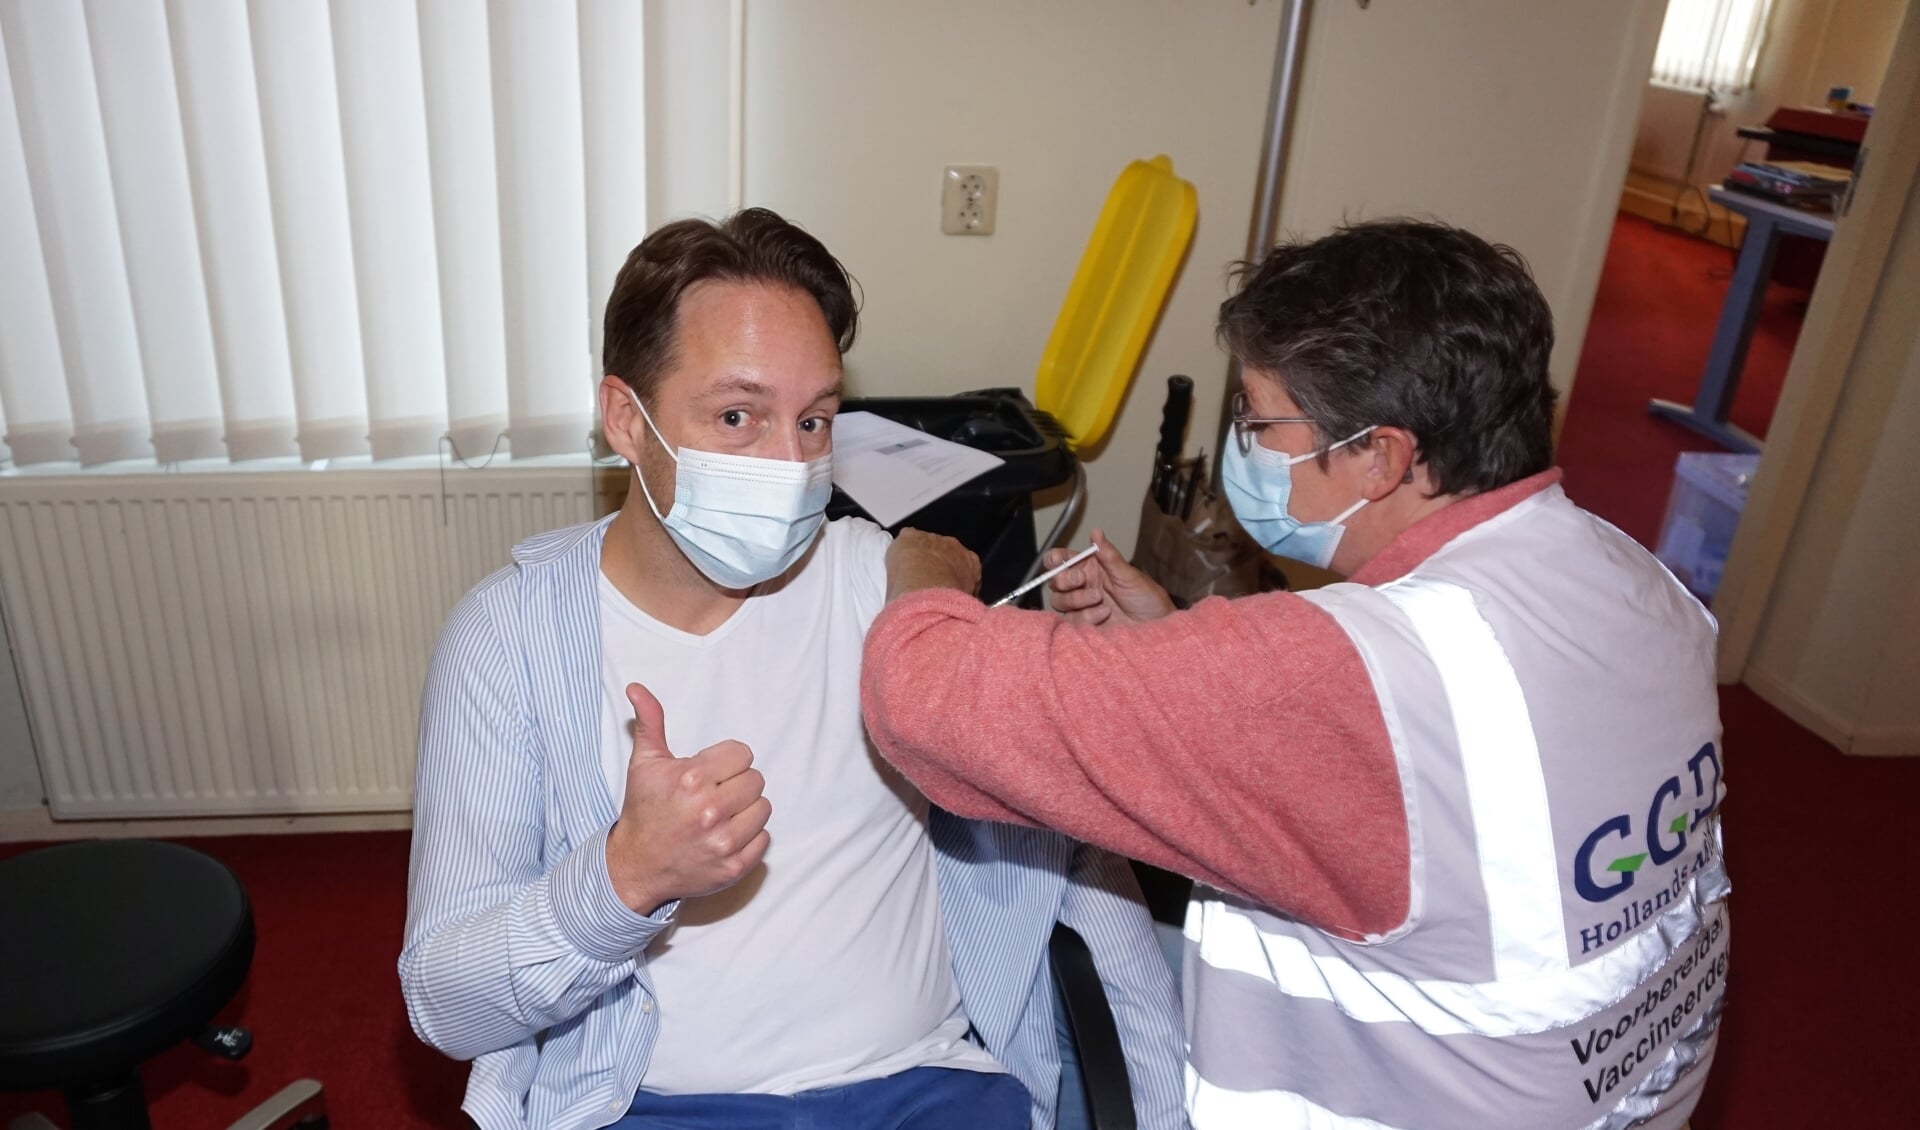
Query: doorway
(1670,267)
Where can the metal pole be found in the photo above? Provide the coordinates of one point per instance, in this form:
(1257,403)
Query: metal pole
(1266,197)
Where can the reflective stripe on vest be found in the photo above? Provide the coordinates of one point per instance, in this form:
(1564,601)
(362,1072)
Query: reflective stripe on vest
(1229,940)
(1211,1106)
(1506,788)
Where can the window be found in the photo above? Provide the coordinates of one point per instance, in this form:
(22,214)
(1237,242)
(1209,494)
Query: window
(312,228)
(1710,44)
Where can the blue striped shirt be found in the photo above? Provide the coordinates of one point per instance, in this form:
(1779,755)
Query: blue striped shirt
(519,956)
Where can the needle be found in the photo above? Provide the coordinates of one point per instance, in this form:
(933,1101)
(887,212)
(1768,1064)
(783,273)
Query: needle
(1049,575)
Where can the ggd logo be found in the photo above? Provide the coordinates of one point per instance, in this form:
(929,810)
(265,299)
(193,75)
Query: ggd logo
(1665,835)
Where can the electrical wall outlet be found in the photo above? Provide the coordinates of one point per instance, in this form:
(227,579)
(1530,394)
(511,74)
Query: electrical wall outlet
(969,198)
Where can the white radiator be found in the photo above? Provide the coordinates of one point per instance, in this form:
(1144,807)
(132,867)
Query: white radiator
(233,643)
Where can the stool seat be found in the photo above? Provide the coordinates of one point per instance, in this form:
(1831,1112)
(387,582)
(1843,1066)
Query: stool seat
(111,951)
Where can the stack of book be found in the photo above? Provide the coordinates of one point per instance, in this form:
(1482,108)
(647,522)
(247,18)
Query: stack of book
(1802,184)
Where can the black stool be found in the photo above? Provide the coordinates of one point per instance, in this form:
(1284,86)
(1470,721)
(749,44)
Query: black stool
(112,951)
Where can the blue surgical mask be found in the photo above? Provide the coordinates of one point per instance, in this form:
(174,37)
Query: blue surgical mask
(740,519)
(1259,483)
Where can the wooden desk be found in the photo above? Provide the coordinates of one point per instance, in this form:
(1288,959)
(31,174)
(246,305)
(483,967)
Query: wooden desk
(1767,222)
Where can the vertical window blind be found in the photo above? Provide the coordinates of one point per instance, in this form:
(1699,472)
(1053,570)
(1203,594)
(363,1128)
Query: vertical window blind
(313,228)
(1710,44)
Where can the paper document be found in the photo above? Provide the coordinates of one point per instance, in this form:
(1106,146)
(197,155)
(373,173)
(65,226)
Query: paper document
(892,470)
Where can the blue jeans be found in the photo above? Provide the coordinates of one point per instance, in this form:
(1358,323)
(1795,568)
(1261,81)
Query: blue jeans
(925,1098)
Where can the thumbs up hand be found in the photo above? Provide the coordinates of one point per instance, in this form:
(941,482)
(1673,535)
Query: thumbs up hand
(689,826)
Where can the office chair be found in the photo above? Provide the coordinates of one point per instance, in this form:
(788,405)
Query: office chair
(112,952)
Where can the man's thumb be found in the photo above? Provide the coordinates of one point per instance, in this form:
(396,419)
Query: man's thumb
(649,723)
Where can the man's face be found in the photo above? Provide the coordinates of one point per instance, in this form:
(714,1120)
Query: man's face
(1318,494)
(755,372)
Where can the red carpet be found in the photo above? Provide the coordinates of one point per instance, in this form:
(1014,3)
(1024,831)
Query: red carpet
(1653,320)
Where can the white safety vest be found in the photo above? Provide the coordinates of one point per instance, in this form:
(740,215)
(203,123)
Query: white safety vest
(1549,692)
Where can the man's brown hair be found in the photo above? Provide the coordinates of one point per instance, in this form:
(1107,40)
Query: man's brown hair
(751,246)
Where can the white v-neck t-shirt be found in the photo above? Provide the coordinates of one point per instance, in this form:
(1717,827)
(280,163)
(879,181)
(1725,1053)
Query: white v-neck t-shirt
(828,963)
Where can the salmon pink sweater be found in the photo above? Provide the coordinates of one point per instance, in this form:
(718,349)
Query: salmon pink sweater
(1239,742)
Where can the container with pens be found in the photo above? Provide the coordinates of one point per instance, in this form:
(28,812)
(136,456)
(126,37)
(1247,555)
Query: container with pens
(1188,540)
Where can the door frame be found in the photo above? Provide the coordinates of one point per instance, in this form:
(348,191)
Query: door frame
(1823,357)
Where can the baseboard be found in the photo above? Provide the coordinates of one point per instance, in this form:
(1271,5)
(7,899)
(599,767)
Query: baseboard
(38,824)
(1889,742)
(1656,204)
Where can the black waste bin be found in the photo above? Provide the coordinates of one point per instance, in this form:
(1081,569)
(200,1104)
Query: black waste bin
(993,514)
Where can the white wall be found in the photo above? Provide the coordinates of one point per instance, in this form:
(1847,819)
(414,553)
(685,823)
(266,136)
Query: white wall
(1853,49)
(1836,649)
(1511,117)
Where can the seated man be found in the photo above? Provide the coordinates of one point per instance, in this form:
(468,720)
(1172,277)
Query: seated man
(657,870)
